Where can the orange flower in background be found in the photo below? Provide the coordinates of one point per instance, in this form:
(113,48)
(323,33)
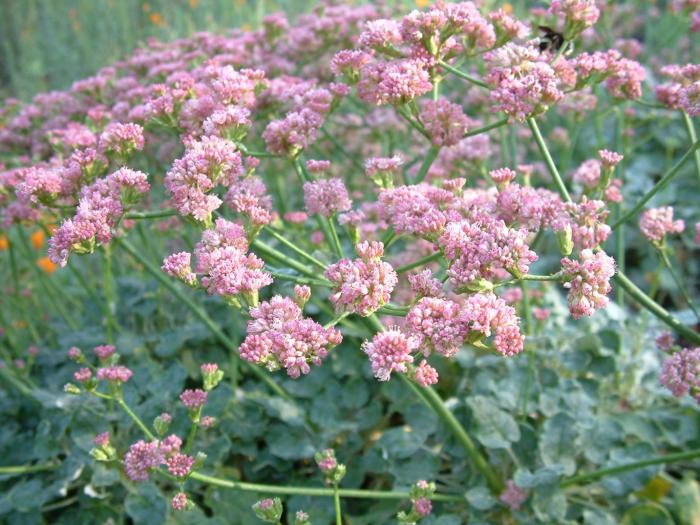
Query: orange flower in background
(507,8)
(245,27)
(422,3)
(45,264)
(38,239)
(19,324)
(194,4)
(4,243)
(156,19)
(146,7)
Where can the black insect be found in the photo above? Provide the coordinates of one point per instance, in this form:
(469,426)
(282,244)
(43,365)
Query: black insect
(551,40)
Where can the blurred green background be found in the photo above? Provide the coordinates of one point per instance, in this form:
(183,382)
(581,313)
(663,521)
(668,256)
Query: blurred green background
(47,44)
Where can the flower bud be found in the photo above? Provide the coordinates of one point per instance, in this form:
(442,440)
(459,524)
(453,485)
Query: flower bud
(566,241)
(161,423)
(70,388)
(269,510)
(301,518)
(211,375)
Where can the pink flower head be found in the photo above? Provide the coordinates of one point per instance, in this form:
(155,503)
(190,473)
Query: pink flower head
(587,221)
(193,399)
(278,336)
(665,341)
(588,174)
(231,122)
(74,353)
(610,159)
(541,314)
(490,315)
(326,197)
(680,373)
(348,62)
(121,139)
(228,270)
(101,440)
(318,166)
(588,281)
(249,196)
(381,169)
(507,27)
(502,176)
(578,15)
(209,368)
(390,351)
(396,82)
(104,351)
(444,121)
(179,465)
(362,285)
(437,326)
(626,80)
(423,284)
(83,375)
(423,506)
(170,445)
(302,293)
(381,34)
(39,184)
(476,249)
(206,163)
(415,209)
(513,496)
(656,223)
(179,501)
(114,373)
(697,233)
(426,375)
(292,134)
(141,458)
(524,84)
(178,265)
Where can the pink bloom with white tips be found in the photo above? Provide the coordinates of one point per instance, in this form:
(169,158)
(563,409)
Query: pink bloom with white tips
(390,351)
(588,281)
(657,223)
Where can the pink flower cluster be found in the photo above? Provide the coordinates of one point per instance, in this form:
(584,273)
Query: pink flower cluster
(362,285)
(390,351)
(444,121)
(326,197)
(680,373)
(524,83)
(278,336)
(657,223)
(683,90)
(478,247)
(415,209)
(100,206)
(206,163)
(144,457)
(226,268)
(588,281)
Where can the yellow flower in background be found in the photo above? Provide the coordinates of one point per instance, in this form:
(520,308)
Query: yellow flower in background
(507,8)
(245,28)
(45,264)
(19,324)
(146,7)
(38,239)
(4,243)
(194,4)
(422,3)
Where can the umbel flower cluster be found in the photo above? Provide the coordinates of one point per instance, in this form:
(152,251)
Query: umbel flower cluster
(234,128)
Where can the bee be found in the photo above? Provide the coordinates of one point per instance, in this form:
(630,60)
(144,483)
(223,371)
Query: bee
(551,40)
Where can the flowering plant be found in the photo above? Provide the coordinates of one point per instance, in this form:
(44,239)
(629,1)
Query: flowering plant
(368,230)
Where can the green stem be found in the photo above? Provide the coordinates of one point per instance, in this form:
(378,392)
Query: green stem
(341,149)
(135,418)
(551,167)
(313,260)
(420,262)
(298,280)
(313,491)
(432,399)
(111,322)
(276,254)
(665,180)
(43,282)
(679,283)
(647,302)
(150,214)
(415,125)
(693,138)
(427,162)
(619,469)
(463,75)
(192,435)
(23,305)
(202,316)
(26,469)
(484,129)
(337,247)
(336,501)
